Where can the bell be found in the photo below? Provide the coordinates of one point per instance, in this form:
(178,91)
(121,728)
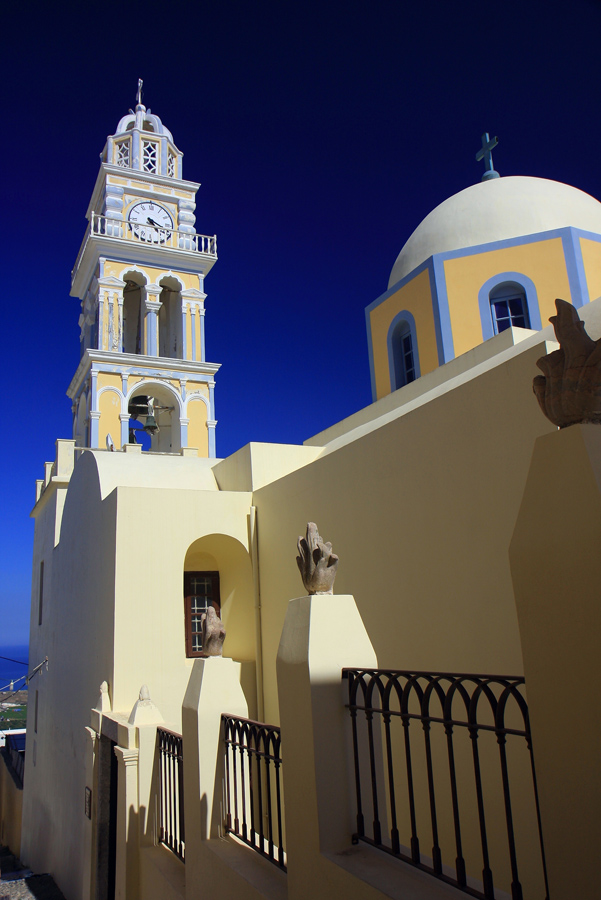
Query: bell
(151,426)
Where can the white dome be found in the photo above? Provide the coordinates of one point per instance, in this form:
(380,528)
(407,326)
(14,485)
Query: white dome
(497,210)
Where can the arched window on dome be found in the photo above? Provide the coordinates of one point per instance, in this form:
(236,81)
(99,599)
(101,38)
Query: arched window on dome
(508,307)
(402,351)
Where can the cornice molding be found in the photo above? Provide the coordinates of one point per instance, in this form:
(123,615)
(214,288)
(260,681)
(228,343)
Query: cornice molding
(95,361)
(95,247)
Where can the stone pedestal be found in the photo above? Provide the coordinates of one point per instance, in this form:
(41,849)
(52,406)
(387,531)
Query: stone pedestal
(214,688)
(322,634)
(555,558)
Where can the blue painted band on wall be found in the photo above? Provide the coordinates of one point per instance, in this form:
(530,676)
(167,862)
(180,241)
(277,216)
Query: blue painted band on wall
(370,353)
(575,268)
(442,316)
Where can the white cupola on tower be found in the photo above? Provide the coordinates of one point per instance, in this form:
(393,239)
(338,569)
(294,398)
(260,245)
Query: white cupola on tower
(142,142)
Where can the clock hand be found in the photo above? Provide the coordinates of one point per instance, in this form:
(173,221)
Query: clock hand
(152,222)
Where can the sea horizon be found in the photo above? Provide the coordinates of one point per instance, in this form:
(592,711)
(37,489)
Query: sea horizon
(12,658)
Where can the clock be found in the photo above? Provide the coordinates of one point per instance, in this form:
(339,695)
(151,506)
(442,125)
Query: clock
(150,222)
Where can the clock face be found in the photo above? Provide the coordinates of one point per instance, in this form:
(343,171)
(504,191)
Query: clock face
(150,222)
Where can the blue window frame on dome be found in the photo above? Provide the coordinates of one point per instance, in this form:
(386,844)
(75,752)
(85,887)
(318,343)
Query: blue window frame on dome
(508,307)
(407,361)
(402,351)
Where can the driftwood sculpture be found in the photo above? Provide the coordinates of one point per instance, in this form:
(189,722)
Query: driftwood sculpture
(213,633)
(316,562)
(569,391)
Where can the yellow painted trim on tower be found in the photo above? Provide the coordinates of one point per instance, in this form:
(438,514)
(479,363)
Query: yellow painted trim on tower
(197,331)
(104,299)
(416,298)
(109,405)
(591,257)
(543,262)
(108,379)
(188,324)
(198,435)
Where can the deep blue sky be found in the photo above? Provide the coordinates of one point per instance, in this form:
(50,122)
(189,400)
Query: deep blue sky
(322,133)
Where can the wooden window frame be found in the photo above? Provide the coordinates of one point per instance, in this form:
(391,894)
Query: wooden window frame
(215,603)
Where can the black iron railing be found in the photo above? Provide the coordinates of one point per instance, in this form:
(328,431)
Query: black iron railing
(448,786)
(253,791)
(171,796)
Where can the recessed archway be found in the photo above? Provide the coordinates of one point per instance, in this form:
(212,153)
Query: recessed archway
(166,410)
(226,556)
(133,312)
(170,318)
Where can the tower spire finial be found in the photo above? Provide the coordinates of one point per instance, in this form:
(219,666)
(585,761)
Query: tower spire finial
(485,153)
(139,94)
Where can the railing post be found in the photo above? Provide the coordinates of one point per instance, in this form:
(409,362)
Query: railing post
(322,634)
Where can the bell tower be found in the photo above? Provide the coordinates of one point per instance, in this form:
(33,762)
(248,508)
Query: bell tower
(140,278)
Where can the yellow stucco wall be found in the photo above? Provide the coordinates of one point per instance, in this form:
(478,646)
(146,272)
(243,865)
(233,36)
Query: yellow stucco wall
(416,298)
(188,334)
(198,435)
(197,318)
(438,489)
(108,379)
(109,404)
(543,262)
(591,257)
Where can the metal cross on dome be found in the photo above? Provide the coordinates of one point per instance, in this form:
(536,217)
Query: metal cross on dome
(488,145)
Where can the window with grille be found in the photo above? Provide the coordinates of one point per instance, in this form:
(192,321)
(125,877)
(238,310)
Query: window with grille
(122,153)
(171,165)
(404,355)
(201,590)
(508,307)
(150,156)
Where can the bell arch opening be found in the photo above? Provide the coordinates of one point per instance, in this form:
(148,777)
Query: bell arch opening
(170,318)
(133,312)
(154,422)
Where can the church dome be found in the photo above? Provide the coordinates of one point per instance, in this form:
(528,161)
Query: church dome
(497,210)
